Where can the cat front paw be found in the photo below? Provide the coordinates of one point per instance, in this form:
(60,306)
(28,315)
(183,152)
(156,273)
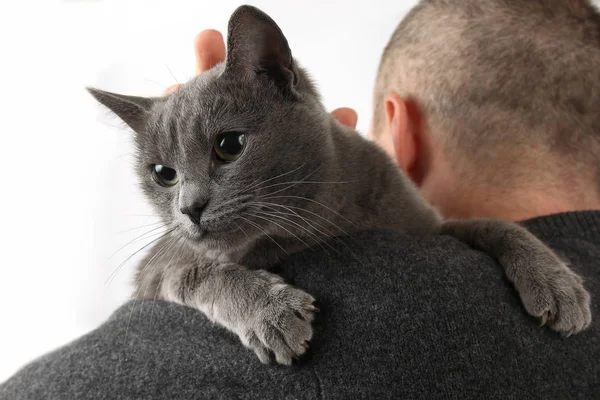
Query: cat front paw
(559,299)
(282,326)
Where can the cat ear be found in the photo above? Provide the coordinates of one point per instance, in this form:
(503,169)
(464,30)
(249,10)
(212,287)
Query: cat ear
(131,109)
(256,46)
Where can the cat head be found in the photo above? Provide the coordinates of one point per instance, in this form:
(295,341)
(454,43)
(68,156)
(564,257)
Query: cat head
(230,147)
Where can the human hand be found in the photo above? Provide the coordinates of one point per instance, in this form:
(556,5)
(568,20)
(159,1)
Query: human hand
(209,47)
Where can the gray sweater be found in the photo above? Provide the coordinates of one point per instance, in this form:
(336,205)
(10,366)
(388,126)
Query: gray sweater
(413,318)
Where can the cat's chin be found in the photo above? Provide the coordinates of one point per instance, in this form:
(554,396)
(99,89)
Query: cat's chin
(196,236)
(212,239)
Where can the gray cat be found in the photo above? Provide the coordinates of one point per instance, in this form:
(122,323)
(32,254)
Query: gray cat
(245,166)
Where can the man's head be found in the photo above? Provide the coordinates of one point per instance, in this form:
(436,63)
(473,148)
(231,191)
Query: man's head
(480,100)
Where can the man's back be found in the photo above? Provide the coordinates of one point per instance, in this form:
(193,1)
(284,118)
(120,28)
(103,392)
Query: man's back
(410,318)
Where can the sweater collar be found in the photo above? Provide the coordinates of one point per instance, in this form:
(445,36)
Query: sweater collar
(584,224)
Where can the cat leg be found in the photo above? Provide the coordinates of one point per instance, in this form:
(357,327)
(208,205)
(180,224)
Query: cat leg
(548,288)
(269,316)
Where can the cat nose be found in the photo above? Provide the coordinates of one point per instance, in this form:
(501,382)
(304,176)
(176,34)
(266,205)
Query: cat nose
(194,210)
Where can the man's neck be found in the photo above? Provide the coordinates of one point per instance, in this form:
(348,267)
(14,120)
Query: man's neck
(518,203)
(513,205)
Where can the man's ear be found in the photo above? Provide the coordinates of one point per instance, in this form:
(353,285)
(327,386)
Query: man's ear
(131,109)
(257,47)
(404,125)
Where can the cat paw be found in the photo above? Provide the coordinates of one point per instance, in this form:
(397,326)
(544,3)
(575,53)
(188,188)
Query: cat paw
(282,326)
(559,300)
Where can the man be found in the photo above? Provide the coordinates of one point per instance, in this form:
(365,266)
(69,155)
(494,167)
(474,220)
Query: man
(488,105)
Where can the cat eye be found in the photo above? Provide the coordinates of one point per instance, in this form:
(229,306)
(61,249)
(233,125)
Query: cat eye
(165,176)
(229,146)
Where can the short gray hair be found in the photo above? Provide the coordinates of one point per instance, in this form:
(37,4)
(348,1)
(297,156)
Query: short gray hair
(494,75)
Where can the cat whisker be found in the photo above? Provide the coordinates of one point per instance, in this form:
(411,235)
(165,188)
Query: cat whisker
(290,208)
(279,215)
(134,239)
(304,182)
(257,186)
(294,213)
(121,128)
(242,192)
(238,200)
(293,184)
(275,177)
(282,227)
(290,222)
(113,274)
(312,201)
(241,229)
(145,222)
(171,72)
(140,227)
(263,231)
(330,234)
(141,215)
(162,85)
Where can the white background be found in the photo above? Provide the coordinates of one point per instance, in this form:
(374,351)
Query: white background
(67,187)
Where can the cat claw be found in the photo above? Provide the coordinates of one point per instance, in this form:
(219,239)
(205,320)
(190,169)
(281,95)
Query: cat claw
(567,334)
(544,318)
